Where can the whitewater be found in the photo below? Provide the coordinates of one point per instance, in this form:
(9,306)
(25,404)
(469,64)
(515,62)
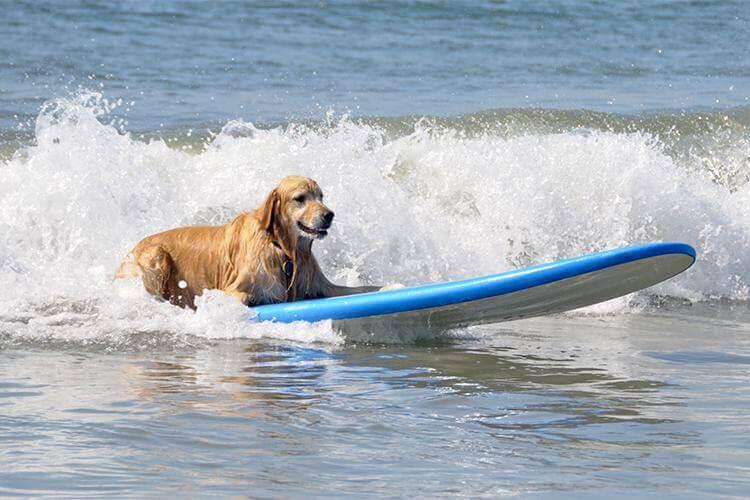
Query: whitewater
(418,200)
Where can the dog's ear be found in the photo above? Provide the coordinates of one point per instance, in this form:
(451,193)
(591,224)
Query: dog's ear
(269,211)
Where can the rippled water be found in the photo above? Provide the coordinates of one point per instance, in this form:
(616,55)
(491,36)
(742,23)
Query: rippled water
(645,405)
(452,140)
(191,63)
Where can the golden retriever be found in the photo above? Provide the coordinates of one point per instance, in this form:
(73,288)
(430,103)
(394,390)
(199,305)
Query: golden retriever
(260,257)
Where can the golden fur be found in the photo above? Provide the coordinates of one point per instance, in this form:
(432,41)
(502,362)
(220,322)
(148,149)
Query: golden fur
(246,257)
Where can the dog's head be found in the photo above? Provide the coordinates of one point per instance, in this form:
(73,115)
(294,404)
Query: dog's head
(294,210)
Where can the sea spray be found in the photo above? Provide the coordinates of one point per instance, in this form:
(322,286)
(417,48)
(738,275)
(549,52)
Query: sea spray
(433,203)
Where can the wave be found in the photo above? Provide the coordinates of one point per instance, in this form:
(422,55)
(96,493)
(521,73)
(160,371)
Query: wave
(417,200)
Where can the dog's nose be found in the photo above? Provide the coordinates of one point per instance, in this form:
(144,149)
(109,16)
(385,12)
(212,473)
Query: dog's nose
(328,217)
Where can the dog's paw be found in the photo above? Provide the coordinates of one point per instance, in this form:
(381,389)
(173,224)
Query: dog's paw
(392,286)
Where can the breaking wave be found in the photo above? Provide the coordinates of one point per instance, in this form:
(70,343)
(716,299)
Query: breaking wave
(417,200)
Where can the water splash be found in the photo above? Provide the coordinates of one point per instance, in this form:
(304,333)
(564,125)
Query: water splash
(431,204)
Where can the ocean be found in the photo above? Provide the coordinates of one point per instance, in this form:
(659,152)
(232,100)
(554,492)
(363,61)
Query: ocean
(452,139)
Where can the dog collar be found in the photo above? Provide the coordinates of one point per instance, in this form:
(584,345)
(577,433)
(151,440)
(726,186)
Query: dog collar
(287,264)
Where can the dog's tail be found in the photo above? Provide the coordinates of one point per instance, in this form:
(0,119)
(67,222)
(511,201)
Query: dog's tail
(128,269)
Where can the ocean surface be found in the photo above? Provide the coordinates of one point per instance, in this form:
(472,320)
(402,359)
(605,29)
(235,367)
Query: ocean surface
(453,139)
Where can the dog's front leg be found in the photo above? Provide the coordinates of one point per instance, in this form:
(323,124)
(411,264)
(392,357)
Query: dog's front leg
(322,287)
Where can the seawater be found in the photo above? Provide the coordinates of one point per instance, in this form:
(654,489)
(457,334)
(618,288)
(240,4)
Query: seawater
(452,140)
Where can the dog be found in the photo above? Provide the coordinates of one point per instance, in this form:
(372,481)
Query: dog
(261,257)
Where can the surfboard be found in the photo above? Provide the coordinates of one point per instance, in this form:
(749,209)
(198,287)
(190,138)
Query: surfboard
(533,291)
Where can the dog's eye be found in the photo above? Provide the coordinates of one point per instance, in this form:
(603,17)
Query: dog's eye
(300,198)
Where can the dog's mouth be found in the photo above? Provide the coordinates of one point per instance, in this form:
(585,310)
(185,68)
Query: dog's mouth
(318,233)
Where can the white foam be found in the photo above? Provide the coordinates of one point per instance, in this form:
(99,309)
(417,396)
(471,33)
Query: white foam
(432,205)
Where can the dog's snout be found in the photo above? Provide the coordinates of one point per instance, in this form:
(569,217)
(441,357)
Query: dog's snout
(328,217)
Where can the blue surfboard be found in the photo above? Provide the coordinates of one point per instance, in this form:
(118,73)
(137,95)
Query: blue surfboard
(533,291)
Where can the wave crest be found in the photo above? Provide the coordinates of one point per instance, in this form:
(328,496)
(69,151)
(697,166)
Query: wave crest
(428,204)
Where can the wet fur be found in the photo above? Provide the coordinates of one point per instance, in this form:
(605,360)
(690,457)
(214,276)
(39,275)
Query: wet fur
(242,258)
